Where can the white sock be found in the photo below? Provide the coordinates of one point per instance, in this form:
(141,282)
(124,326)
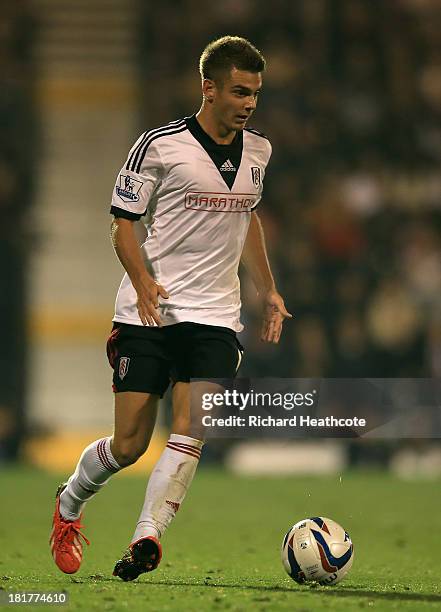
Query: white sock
(94,469)
(168,484)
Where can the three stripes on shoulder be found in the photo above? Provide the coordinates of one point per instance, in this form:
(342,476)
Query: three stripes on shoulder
(138,154)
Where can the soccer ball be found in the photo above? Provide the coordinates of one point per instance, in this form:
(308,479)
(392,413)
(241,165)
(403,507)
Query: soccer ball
(317,550)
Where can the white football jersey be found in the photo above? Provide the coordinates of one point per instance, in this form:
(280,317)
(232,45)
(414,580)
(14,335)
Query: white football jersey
(196,197)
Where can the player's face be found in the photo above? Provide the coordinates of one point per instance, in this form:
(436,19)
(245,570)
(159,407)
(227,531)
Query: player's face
(235,98)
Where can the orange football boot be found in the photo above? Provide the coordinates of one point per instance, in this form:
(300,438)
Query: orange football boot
(66,545)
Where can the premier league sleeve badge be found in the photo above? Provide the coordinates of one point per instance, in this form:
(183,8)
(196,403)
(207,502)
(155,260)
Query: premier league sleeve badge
(128,188)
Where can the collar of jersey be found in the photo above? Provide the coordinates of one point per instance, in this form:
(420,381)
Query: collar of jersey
(207,142)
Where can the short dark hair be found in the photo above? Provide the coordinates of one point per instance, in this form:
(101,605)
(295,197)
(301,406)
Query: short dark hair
(221,55)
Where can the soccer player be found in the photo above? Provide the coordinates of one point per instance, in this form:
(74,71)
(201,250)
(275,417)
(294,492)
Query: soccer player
(197,182)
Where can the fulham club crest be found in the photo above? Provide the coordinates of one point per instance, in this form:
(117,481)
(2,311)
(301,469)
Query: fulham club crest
(123,366)
(256,176)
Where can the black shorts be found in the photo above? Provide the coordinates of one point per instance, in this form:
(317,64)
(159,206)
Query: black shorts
(147,359)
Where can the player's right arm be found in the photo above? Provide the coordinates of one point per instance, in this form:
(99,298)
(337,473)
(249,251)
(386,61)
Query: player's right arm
(137,181)
(126,247)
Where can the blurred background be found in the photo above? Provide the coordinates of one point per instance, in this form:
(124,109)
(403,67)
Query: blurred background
(351,209)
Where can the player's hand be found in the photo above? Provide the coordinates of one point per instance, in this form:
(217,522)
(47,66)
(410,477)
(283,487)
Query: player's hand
(274,313)
(148,302)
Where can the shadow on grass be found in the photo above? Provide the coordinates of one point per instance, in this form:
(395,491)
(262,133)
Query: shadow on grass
(325,592)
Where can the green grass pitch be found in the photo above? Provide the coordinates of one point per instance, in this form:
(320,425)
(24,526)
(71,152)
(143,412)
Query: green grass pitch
(222,552)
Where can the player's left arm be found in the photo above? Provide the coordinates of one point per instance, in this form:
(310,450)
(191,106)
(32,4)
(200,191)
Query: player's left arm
(255,260)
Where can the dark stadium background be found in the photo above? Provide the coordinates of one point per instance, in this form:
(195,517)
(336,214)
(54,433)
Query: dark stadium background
(351,209)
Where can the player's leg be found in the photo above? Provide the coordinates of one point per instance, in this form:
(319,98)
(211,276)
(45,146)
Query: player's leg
(166,489)
(197,351)
(135,415)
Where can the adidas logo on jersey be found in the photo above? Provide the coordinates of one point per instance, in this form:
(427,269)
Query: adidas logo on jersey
(227,167)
